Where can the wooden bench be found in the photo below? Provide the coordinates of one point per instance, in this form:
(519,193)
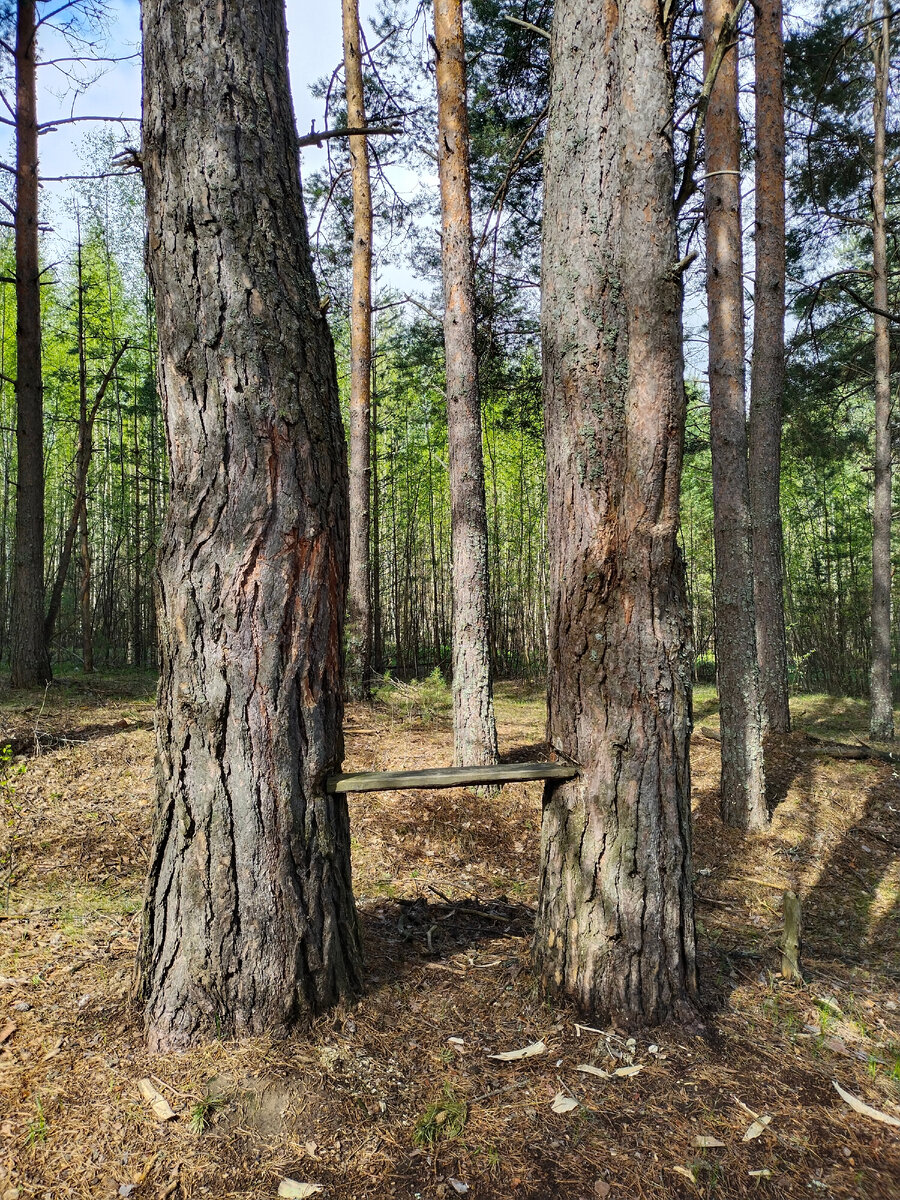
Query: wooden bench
(448,777)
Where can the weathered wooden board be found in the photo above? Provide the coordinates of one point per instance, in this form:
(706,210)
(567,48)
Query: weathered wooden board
(448,777)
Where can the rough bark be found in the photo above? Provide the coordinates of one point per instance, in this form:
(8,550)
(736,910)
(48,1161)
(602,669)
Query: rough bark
(742,789)
(474,727)
(881,715)
(249,923)
(29,659)
(359,607)
(615,926)
(767,373)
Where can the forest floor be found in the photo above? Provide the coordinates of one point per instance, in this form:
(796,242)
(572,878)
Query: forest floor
(397,1096)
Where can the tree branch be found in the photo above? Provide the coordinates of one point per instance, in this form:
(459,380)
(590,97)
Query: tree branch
(316,139)
(527,25)
(723,45)
(51,125)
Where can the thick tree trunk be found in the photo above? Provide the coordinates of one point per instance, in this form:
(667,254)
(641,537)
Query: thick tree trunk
(359,606)
(29,659)
(474,727)
(743,791)
(767,374)
(615,926)
(881,717)
(249,923)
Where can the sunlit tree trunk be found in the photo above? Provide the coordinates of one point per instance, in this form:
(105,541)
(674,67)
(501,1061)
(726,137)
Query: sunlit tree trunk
(767,375)
(359,607)
(249,923)
(615,924)
(29,659)
(474,727)
(881,717)
(742,789)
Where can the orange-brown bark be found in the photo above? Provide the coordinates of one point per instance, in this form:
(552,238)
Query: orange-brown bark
(359,606)
(474,727)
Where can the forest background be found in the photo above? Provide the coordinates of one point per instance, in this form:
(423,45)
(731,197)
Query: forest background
(93,265)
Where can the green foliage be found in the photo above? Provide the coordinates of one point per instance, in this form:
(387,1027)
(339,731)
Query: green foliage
(420,700)
(443,1120)
(37,1128)
(203,1110)
(10,818)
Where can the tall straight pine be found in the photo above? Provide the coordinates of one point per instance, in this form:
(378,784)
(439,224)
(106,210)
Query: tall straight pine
(29,659)
(474,726)
(615,923)
(742,783)
(767,374)
(249,923)
(359,603)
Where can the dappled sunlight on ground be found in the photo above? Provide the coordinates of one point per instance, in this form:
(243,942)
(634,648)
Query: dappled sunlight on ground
(397,1096)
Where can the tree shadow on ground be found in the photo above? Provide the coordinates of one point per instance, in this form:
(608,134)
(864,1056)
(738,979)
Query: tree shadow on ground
(401,937)
(852,911)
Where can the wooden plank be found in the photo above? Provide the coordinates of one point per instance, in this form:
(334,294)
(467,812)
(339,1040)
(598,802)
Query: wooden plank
(448,777)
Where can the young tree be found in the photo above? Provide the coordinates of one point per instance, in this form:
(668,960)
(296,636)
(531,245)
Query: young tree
(249,923)
(29,659)
(474,727)
(359,606)
(615,925)
(881,717)
(742,789)
(767,373)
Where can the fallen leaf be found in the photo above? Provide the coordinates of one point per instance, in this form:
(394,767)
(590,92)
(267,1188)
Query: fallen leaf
(7,1031)
(601,1189)
(525,1052)
(562,1103)
(865,1109)
(758,1127)
(707,1142)
(830,1005)
(625,1071)
(458,1186)
(589,1069)
(53,1051)
(298,1191)
(686,1173)
(837,1046)
(157,1101)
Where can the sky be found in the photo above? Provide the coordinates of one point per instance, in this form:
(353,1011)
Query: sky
(315,48)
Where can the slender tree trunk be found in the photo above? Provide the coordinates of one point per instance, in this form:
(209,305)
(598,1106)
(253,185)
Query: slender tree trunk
(84,594)
(29,659)
(767,374)
(359,605)
(881,717)
(377,623)
(474,726)
(743,790)
(137,629)
(615,925)
(249,923)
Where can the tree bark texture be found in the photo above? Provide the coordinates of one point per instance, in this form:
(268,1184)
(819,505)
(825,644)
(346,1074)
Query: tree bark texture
(29,659)
(359,605)
(767,373)
(615,925)
(743,791)
(474,727)
(249,922)
(881,715)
